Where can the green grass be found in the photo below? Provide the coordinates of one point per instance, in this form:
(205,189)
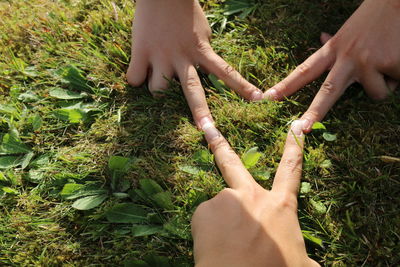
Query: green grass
(349,197)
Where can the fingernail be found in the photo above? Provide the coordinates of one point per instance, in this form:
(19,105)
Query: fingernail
(306,124)
(257,95)
(205,123)
(211,133)
(297,127)
(271,94)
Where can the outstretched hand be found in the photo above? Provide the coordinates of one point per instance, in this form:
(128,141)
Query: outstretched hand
(365,50)
(246,225)
(171,37)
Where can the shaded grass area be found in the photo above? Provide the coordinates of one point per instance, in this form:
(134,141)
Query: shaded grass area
(349,198)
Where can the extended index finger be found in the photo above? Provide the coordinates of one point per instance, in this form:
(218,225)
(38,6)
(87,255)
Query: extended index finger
(194,94)
(309,70)
(288,175)
(230,165)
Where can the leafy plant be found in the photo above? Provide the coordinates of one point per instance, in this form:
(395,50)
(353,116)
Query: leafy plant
(242,8)
(319,127)
(90,195)
(250,159)
(13,152)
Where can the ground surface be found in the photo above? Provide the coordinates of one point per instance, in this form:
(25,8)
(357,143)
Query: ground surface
(59,147)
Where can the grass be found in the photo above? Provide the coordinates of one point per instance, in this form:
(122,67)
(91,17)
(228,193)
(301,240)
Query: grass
(349,199)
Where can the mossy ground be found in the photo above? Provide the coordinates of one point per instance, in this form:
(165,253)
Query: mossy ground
(354,198)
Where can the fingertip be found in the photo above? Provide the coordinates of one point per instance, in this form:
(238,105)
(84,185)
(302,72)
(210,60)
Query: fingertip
(307,122)
(257,95)
(135,79)
(297,127)
(271,94)
(325,37)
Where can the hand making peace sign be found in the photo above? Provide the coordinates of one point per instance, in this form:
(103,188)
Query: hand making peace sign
(246,225)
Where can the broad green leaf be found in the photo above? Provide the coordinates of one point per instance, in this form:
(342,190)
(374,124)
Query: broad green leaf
(7,162)
(326,164)
(120,195)
(89,202)
(70,189)
(145,230)
(203,157)
(163,200)
(35,176)
(308,236)
(86,191)
(218,84)
(150,187)
(178,227)
(27,159)
(318,126)
(251,157)
(329,136)
(28,97)
(137,194)
(12,145)
(71,115)
(126,213)
(262,175)
(190,169)
(9,110)
(36,122)
(118,163)
(3,178)
(41,161)
(75,79)
(305,188)
(318,206)
(60,93)
(9,190)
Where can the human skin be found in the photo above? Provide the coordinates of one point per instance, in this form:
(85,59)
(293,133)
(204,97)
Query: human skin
(365,50)
(246,225)
(172,37)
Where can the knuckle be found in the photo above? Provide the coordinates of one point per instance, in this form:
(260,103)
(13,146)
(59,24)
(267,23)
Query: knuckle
(228,162)
(286,201)
(365,58)
(227,71)
(203,47)
(291,163)
(192,83)
(303,68)
(388,63)
(311,115)
(201,111)
(226,193)
(328,88)
(201,210)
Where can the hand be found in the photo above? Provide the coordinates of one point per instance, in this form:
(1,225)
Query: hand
(365,50)
(247,225)
(172,37)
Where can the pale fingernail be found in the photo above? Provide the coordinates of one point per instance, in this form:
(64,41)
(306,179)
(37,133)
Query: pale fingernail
(297,127)
(211,133)
(205,123)
(306,124)
(257,95)
(271,94)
